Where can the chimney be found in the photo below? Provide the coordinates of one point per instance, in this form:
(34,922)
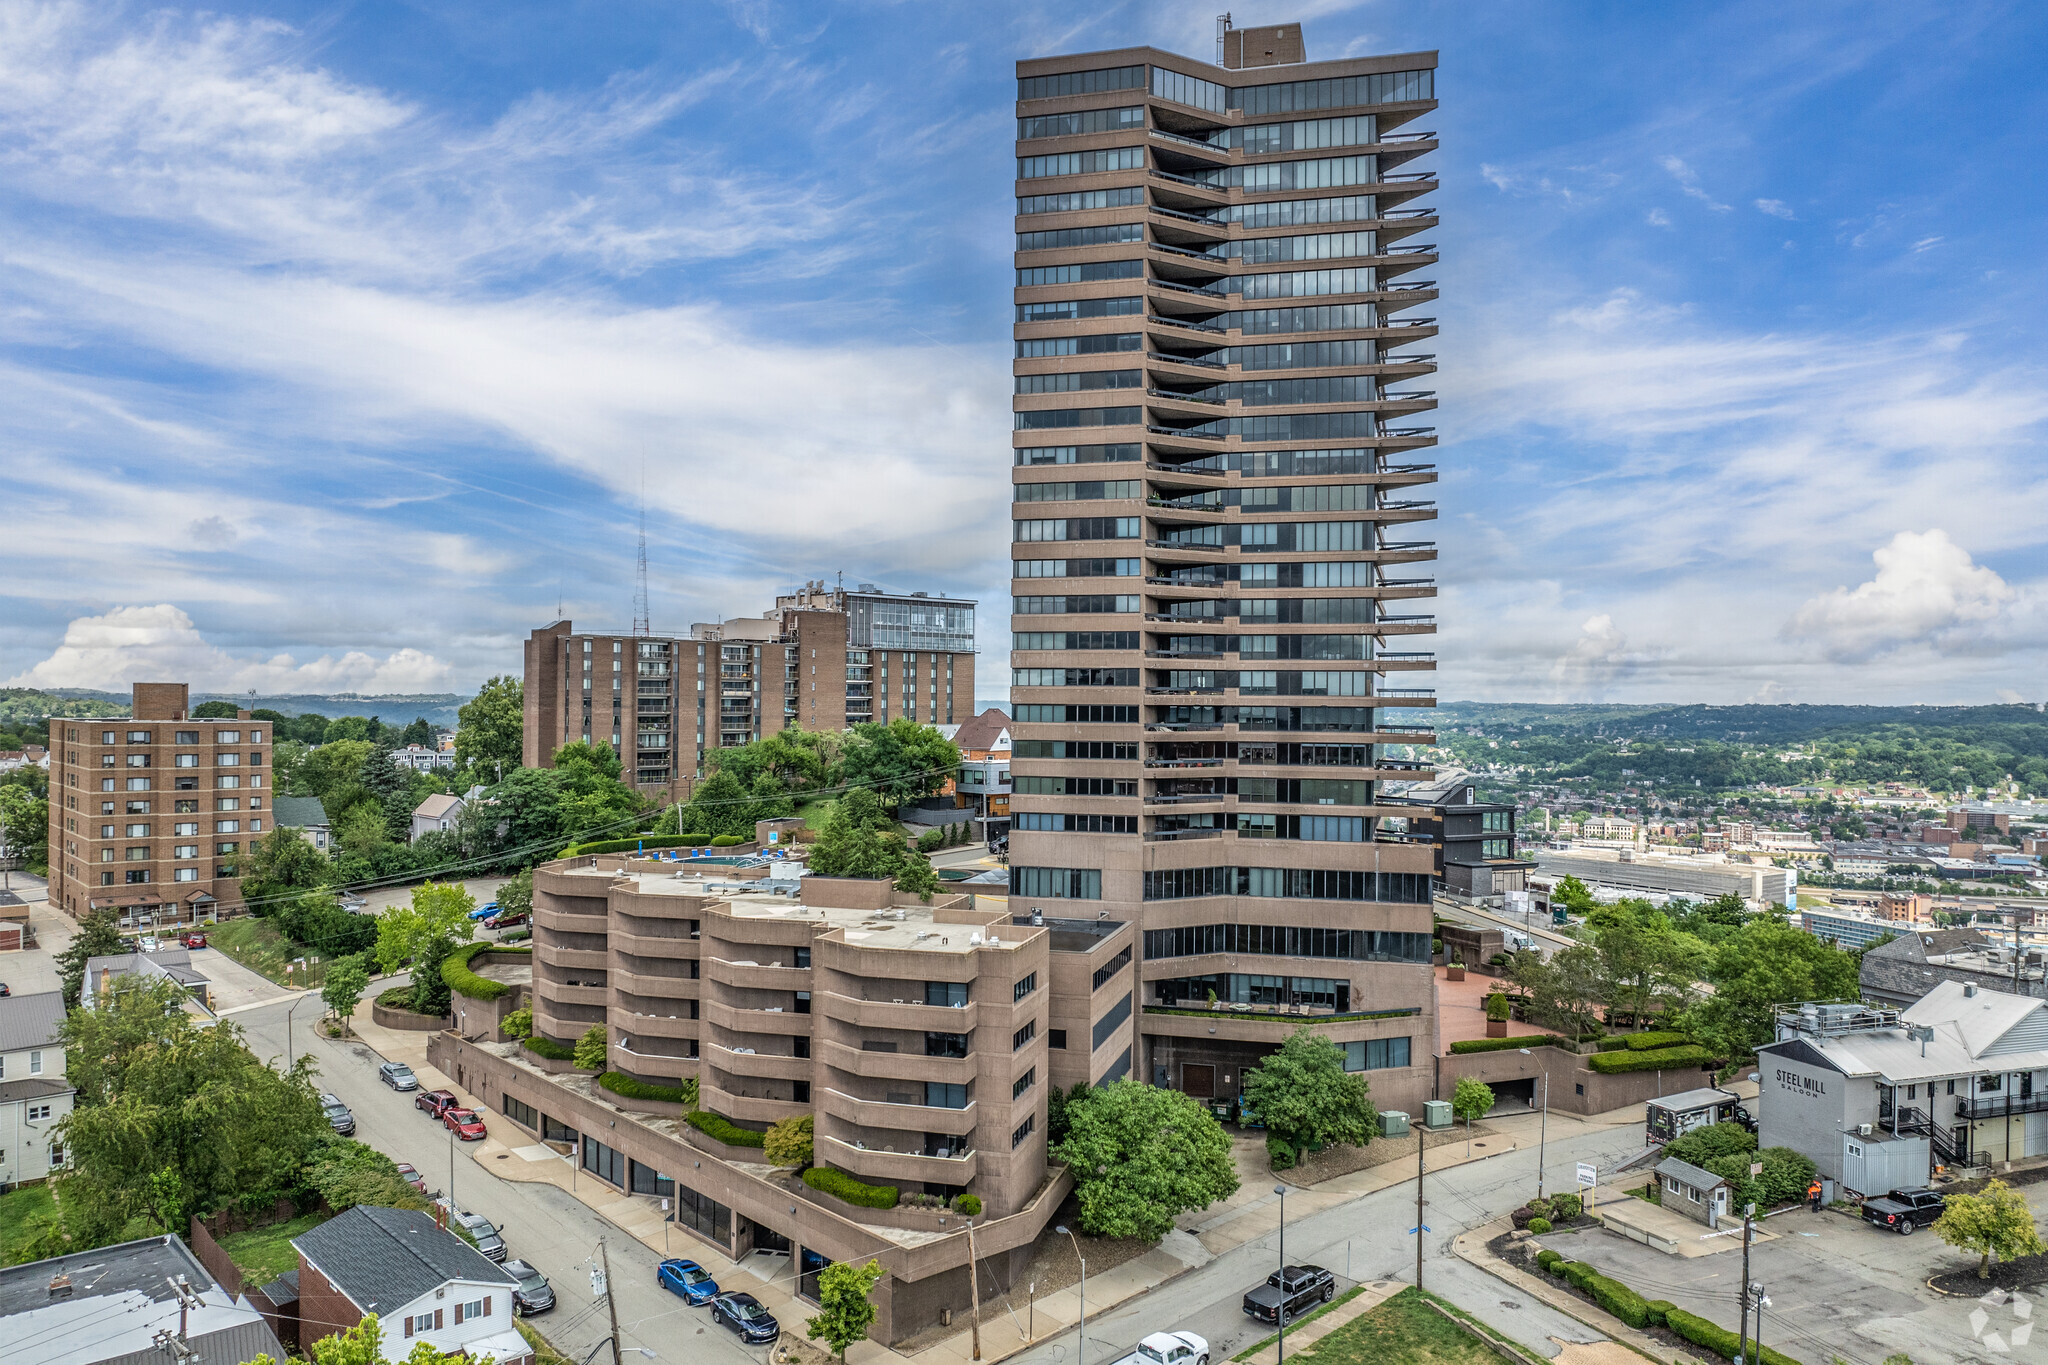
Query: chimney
(60,1286)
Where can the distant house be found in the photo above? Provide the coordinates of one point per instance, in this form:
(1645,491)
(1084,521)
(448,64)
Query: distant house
(984,736)
(421,759)
(146,1301)
(167,964)
(439,811)
(306,815)
(421,1280)
(34,1096)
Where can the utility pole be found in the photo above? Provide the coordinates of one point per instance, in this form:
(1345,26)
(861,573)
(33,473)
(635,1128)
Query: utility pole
(611,1304)
(1742,1354)
(1418,1209)
(973,1292)
(1280,1312)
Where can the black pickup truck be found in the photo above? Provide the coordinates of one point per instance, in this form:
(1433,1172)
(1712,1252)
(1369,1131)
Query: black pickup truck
(1288,1291)
(1904,1210)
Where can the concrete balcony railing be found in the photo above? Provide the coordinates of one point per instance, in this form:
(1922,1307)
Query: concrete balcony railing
(898,1167)
(582,959)
(735,1020)
(757,976)
(653,1065)
(901,1066)
(756,1108)
(738,1063)
(655,1025)
(570,995)
(902,1118)
(659,987)
(659,946)
(546,917)
(897,1014)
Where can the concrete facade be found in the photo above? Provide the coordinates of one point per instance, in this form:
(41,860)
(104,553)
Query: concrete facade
(1177,444)
(150,816)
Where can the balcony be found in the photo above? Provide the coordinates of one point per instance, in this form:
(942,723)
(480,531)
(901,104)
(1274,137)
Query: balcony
(2002,1106)
(582,959)
(652,1063)
(750,1065)
(548,917)
(561,994)
(756,976)
(902,1118)
(661,947)
(913,1015)
(652,986)
(736,1020)
(899,1066)
(654,1025)
(897,1167)
(757,1108)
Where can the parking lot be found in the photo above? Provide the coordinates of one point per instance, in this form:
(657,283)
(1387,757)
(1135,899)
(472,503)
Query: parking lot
(1837,1287)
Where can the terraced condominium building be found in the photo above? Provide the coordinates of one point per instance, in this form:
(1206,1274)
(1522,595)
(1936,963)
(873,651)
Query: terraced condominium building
(1216,593)
(824,658)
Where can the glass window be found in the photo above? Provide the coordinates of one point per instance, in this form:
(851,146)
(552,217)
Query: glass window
(1082,83)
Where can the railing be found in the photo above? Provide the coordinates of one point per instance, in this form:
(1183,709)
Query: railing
(1181,397)
(1405,655)
(1396,215)
(1187,251)
(1391,323)
(1166,359)
(1429,360)
(1403,620)
(1259,1014)
(1184,180)
(1183,288)
(1408,433)
(1188,141)
(1395,139)
(1399,177)
(1405,692)
(1408,505)
(1411,287)
(1406,546)
(1166,836)
(1415,396)
(1183,322)
(1407,583)
(1426,249)
(1193,435)
(1190,217)
(2003,1106)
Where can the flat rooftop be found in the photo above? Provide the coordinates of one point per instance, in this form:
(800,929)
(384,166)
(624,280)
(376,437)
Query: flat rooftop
(109,1302)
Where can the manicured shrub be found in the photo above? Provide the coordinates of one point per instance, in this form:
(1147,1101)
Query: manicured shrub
(464,982)
(1281,1152)
(632,1088)
(1579,1275)
(1539,1226)
(1565,1207)
(1611,1045)
(1705,1143)
(719,1128)
(1465,1045)
(1659,1308)
(1620,1300)
(968,1204)
(840,1185)
(1538,1208)
(726,840)
(1716,1338)
(1690,1055)
(1650,1042)
(543,1046)
(931,841)
(1497,1008)
(1547,1259)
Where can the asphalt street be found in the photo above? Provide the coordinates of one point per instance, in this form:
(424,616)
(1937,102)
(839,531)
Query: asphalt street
(1371,1236)
(541,1225)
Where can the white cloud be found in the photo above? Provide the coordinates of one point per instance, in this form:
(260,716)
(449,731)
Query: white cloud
(161,644)
(1657,218)
(1777,208)
(1926,591)
(1595,660)
(1689,181)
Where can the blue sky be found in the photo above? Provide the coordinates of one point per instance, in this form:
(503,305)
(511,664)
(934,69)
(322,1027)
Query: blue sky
(339,341)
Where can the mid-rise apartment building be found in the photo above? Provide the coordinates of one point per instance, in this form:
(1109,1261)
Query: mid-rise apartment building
(823,659)
(923,1039)
(1218,613)
(152,815)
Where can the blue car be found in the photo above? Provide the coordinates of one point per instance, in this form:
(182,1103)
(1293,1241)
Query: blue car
(484,911)
(688,1279)
(745,1315)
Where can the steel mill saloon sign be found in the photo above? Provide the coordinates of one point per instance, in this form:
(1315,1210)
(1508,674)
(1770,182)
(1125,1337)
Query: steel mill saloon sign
(1810,1086)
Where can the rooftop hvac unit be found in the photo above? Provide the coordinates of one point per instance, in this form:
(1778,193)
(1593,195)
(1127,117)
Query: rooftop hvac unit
(1863,1130)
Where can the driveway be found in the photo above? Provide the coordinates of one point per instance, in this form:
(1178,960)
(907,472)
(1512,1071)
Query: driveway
(34,970)
(1837,1287)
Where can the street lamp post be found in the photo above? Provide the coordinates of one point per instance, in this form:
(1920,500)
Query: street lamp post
(1280,1310)
(1081,1333)
(288,1029)
(1542,1127)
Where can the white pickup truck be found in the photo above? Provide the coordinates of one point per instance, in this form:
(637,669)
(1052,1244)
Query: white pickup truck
(1169,1348)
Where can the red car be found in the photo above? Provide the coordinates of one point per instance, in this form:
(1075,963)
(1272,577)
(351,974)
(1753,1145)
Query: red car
(465,1124)
(195,940)
(411,1176)
(506,919)
(436,1102)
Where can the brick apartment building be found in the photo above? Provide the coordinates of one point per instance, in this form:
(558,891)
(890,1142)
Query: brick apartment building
(822,659)
(151,815)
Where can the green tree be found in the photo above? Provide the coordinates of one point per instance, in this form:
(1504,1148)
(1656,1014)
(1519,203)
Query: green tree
(216,710)
(99,935)
(788,1142)
(517,1024)
(423,932)
(362,1344)
(1993,1222)
(489,729)
(717,805)
(280,865)
(515,897)
(1566,992)
(1303,1094)
(1765,964)
(1471,1098)
(900,761)
(347,979)
(1710,1141)
(362,828)
(1572,895)
(591,1049)
(345,1173)
(174,1118)
(420,732)
(25,819)
(1141,1156)
(330,769)
(1648,965)
(844,1310)
(915,875)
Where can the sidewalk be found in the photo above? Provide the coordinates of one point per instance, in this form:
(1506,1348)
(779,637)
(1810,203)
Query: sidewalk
(1471,1247)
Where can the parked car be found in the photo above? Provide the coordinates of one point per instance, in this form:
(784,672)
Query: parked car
(436,1102)
(398,1076)
(147,943)
(534,1294)
(410,1174)
(487,1239)
(1289,1290)
(195,940)
(4,992)
(1904,1210)
(505,919)
(464,1123)
(484,911)
(692,1281)
(1169,1348)
(745,1315)
(338,1117)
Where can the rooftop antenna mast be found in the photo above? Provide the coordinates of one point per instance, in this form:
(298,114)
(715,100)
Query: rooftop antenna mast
(1222,27)
(641,624)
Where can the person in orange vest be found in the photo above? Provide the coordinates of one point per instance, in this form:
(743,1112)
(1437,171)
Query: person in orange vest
(1813,1193)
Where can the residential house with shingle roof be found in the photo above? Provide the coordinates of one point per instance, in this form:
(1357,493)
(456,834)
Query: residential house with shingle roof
(421,1280)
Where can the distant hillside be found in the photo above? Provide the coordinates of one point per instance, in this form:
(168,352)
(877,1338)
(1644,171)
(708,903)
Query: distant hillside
(438,708)
(2025,727)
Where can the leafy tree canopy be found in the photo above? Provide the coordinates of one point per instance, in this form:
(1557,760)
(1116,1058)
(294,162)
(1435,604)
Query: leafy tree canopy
(1993,1222)
(489,729)
(1764,964)
(1141,1156)
(1303,1093)
(1471,1098)
(423,932)
(99,935)
(845,1313)
(900,761)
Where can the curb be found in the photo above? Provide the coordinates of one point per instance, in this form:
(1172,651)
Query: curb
(1613,1329)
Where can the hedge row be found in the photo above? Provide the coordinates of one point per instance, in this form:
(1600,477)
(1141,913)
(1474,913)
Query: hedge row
(1661,1059)
(840,1185)
(1646,1042)
(455,971)
(722,1129)
(1612,1295)
(1503,1044)
(619,1083)
(549,1048)
(638,842)
(1716,1338)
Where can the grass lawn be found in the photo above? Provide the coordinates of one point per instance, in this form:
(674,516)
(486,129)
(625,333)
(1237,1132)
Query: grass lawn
(266,1253)
(1347,1296)
(18,1211)
(544,1353)
(261,946)
(1401,1331)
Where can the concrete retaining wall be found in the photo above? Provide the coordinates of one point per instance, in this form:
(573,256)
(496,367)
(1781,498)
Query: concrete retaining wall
(405,1019)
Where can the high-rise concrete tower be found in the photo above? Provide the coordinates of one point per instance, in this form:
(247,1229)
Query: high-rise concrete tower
(1216,564)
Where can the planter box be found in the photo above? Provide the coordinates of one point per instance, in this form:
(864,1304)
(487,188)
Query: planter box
(705,1142)
(1496,1028)
(1454,973)
(406,1019)
(909,1219)
(662,1108)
